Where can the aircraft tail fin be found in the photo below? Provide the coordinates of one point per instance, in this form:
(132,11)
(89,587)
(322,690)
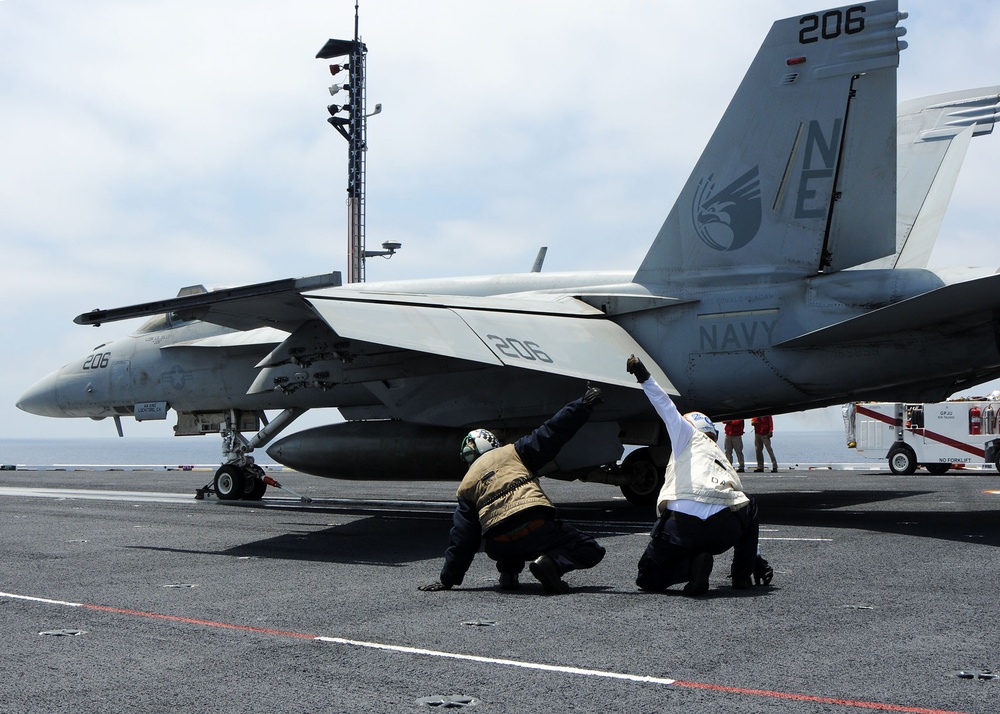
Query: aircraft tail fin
(932,138)
(799,176)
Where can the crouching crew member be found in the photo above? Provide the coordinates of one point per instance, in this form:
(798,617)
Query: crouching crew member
(500,501)
(702,508)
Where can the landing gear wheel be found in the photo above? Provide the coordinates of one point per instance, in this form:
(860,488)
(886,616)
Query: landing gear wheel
(902,461)
(255,487)
(230,483)
(937,469)
(646,479)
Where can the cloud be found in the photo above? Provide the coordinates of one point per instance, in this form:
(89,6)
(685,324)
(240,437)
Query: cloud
(147,146)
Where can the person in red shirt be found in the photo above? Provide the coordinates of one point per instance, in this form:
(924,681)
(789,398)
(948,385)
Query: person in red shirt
(734,442)
(763,430)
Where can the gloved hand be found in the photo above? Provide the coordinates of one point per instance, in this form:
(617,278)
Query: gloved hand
(434,587)
(635,366)
(593,396)
(762,572)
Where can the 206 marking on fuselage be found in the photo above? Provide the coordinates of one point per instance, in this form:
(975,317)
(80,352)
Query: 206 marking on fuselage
(98,360)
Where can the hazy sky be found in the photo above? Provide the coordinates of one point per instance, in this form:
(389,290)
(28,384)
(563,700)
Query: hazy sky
(153,145)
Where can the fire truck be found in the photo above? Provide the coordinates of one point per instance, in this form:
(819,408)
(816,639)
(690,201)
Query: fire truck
(936,436)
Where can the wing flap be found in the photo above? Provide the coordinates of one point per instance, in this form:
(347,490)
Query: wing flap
(576,342)
(410,327)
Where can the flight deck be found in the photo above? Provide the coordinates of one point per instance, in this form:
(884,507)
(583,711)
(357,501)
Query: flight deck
(122,591)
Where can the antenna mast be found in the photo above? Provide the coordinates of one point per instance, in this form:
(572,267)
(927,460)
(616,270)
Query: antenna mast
(353,128)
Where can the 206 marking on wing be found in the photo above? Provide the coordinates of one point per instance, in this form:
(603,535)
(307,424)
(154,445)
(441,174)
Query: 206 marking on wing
(519,349)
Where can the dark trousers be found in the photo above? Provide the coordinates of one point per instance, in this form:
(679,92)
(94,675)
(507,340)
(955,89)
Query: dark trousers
(678,537)
(568,547)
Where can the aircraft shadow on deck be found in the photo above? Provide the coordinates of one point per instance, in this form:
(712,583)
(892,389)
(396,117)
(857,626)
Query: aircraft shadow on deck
(825,510)
(375,540)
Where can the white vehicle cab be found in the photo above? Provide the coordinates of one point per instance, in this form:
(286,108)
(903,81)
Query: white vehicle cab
(936,436)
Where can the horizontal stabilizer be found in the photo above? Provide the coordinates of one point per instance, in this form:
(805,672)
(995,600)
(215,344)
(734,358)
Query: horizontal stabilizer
(946,304)
(557,336)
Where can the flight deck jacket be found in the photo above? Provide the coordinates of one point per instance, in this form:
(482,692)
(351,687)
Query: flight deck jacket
(701,472)
(510,472)
(697,470)
(500,485)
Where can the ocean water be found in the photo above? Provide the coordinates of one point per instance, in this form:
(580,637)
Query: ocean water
(791,448)
(116,452)
(809,448)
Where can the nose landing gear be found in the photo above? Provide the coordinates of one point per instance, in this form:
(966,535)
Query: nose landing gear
(234,482)
(240,479)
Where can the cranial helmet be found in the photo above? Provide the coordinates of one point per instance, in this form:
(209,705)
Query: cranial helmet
(476,443)
(703,424)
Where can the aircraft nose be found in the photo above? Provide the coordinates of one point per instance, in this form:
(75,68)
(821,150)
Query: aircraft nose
(41,397)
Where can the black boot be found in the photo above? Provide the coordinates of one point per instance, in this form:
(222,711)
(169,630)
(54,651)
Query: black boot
(546,572)
(762,572)
(701,569)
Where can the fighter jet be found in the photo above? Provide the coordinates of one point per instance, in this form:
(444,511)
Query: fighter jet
(783,279)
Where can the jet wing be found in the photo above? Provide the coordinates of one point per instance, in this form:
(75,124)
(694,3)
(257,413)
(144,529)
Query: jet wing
(272,304)
(557,334)
(946,304)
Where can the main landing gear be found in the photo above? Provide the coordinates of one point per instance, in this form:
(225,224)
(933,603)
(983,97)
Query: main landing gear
(239,478)
(638,477)
(645,478)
